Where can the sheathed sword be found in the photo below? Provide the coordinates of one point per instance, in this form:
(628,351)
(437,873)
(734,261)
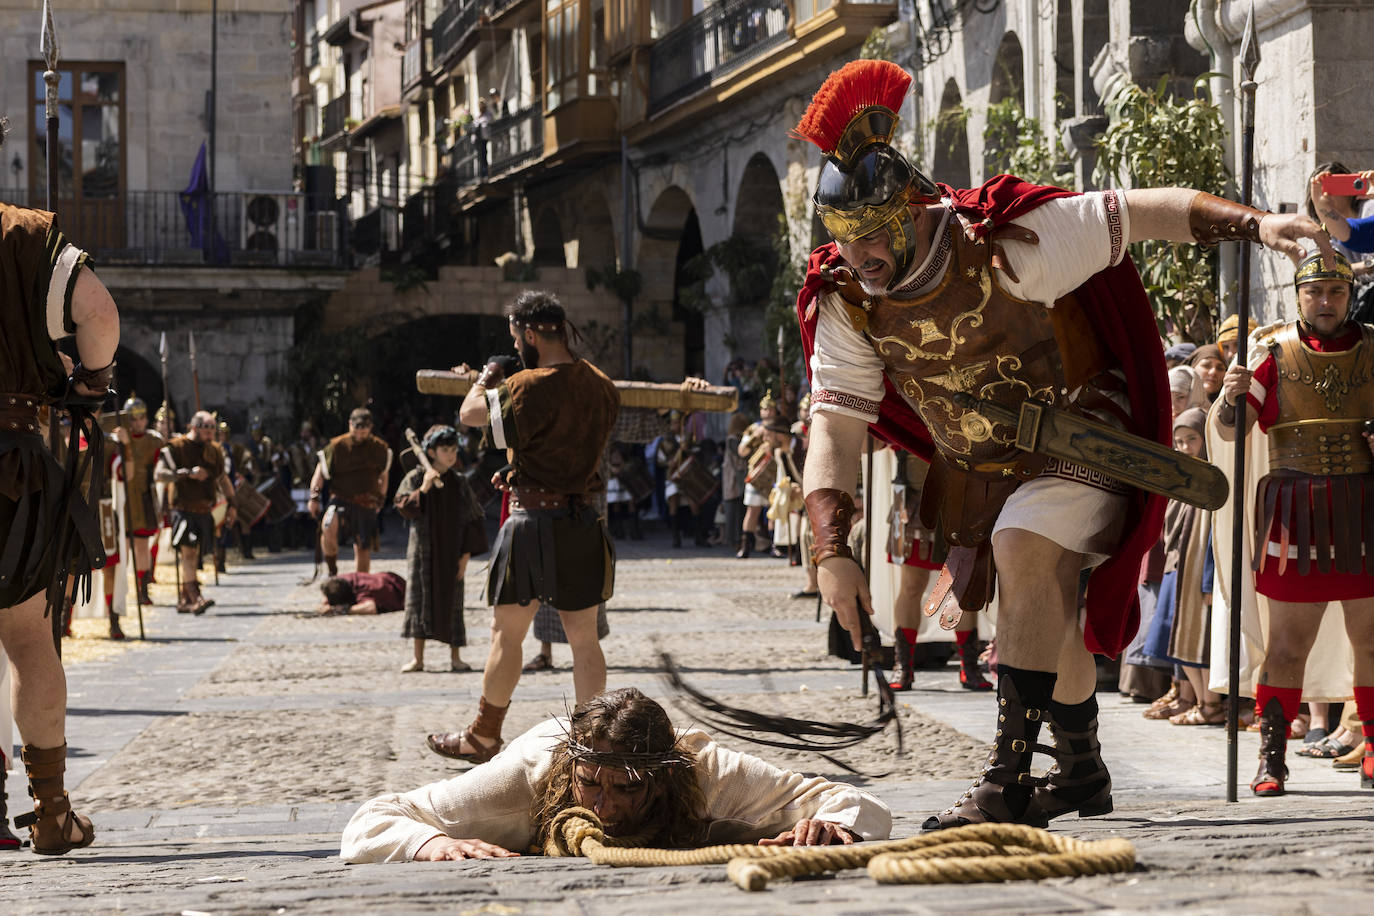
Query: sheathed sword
(1043,429)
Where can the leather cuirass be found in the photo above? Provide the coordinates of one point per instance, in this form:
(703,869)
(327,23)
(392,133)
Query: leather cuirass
(1323,401)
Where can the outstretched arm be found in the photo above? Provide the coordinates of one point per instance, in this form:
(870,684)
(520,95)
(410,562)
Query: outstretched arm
(832,467)
(1185,215)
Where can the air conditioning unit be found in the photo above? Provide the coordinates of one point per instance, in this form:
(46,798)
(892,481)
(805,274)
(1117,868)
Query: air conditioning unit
(264,226)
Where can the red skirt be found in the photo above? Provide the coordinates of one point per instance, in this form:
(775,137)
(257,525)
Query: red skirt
(1330,519)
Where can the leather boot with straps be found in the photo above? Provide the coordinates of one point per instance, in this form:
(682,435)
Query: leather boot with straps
(1004,792)
(1078,781)
(52,822)
(905,648)
(1273,768)
(746,546)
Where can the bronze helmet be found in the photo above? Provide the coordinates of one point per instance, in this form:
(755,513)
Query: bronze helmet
(865,185)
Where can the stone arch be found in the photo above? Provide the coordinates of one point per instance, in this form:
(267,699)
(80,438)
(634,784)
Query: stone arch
(1008,72)
(548,240)
(136,376)
(670,236)
(596,245)
(951,160)
(758,201)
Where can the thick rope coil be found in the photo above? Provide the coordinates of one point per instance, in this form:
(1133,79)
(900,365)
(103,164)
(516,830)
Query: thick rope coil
(969,854)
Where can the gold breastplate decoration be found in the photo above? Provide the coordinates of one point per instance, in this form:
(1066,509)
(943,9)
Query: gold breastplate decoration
(1323,401)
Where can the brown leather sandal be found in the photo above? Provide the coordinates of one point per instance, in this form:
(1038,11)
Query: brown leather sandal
(1201,714)
(51,821)
(487,725)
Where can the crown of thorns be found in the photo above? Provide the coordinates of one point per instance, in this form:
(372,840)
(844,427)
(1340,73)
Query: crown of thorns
(626,760)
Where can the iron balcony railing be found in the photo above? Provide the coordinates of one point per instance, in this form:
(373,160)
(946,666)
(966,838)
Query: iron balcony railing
(334,121)
(228,228)
(715,41)
(425,214)
(516,139)
(451,26)
(415,62)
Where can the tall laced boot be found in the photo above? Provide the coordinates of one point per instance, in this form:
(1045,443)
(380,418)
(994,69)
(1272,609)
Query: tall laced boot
(116,631)
(184,600)
(1003,792)
(199,603)
(970,674)
(142,579)
(219,558)
(746,546)
(332,564)
(54,829)
(906,658)
(1273,768)
(1078,780)
(8,840)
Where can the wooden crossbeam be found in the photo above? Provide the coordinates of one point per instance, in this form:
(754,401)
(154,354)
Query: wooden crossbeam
(721,399)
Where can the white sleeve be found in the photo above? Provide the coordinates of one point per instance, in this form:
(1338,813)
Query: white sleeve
(61,285)
(1078,237)
(748,799)
(846,373)
(490,802)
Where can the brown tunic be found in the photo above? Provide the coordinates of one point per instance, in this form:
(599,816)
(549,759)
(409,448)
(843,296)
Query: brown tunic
(555,423)
(354,468)
(139,459)
(190,495)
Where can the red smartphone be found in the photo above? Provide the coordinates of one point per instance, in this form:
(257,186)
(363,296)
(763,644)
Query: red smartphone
(1345,185)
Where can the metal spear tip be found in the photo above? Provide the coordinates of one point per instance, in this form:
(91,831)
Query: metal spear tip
(49,40)
(1250,47)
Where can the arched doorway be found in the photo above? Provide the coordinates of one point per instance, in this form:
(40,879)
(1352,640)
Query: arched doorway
(1008,72)
(951,160)
(669,238)
(136,377)
(548,240)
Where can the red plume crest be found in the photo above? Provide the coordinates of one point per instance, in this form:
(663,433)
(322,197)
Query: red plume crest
(857,85)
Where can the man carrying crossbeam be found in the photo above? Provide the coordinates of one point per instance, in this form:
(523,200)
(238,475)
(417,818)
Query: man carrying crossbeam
(554,419)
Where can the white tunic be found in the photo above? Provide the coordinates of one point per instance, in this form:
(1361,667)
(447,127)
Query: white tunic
(746,800)
(1078,237)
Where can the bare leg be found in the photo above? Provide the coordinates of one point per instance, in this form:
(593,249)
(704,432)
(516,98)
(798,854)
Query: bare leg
(1292,631)
(589,664)
(39,692)
(362,559)
(329,538)
(510,623)
(190,565)
(420,652)
(1038,589)
(1359,625)
(906,607)
(546,649)
(142,555)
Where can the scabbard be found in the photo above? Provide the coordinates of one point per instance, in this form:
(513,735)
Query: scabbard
(1043,429)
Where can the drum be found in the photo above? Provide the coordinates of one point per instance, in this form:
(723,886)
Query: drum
(250,506)
(695,482)
(481,487)
(634,477)
(280,504)
(763,472)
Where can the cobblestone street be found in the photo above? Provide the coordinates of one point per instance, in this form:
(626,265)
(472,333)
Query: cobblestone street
(220,760)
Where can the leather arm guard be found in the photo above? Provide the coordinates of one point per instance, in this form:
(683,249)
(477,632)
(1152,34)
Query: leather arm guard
(1215,219)
(831,513)
(492,374)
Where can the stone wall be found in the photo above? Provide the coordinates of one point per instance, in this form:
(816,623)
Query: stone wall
(165,47)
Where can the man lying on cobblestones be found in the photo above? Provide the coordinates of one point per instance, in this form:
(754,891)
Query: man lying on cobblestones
(620,757)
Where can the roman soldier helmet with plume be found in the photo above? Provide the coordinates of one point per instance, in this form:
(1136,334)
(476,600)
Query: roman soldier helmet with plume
(865,185)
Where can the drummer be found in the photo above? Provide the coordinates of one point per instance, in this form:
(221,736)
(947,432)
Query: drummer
(194,465)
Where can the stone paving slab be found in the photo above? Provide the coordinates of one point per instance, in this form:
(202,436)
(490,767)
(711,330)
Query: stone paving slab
(195,752)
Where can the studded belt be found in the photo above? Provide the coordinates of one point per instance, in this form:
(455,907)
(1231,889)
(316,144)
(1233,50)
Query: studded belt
(539,498)
(19,413)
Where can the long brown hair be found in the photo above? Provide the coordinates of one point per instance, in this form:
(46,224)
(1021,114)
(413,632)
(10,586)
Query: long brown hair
(627,722)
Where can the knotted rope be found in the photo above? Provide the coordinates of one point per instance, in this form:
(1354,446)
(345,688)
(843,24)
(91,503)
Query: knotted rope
(962,855)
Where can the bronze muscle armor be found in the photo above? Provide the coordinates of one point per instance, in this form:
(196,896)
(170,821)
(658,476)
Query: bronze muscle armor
(969,335)
(1323,400)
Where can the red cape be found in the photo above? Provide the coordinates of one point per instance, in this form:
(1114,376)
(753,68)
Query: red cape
(1115,303)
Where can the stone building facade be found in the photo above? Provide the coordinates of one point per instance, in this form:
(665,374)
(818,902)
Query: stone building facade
(233,264)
